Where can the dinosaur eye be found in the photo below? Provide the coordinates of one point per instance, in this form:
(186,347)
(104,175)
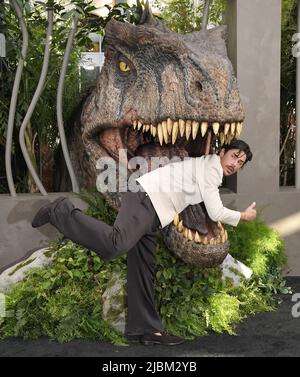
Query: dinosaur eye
(124,67)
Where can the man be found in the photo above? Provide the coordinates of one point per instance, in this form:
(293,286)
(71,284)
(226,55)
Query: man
(139,218)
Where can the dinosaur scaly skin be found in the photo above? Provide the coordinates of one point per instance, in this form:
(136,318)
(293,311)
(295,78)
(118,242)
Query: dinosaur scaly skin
(165,94)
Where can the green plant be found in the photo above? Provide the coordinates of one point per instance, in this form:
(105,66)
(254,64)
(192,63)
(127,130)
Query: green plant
(42,130)
(63,300)
(288,93)
(182,16)
(256,245)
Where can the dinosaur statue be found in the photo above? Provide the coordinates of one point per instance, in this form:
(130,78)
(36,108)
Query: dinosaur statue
(161,93)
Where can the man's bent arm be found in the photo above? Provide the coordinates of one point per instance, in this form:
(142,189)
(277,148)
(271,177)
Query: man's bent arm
(212,200)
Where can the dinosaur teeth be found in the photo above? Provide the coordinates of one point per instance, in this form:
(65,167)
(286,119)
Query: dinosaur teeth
(204,127)
(144,127)
(197,238)
(188,129)
(165,131)
(175,132)
(168,130)
(232,128)
(226,128)
(169,126)
(160,133)
(216,127)
(176,220)
(181,127)
(239,127)
(186,233)
(195,126)
(180,227)
(226,235)
(154,131)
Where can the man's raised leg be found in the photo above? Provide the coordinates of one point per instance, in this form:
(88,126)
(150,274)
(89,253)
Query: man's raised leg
(133,221)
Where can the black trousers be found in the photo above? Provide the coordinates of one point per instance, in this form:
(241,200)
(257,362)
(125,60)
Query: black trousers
(134,232)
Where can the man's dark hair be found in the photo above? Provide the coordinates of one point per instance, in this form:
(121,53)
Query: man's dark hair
(242,146)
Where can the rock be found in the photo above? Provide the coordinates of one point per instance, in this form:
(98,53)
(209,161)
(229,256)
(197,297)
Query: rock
(235,270)
(16,273)
(114,302)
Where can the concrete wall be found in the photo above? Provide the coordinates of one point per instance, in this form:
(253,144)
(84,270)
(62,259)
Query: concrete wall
(254,41)
(17,237)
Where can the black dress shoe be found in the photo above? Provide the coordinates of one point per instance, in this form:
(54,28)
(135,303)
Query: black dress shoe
(133,338)
(42,217)
(164,339)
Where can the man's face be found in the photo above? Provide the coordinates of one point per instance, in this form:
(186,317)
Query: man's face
(232,160)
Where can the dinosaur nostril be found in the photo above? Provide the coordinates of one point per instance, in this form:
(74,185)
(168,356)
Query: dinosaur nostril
(199,86)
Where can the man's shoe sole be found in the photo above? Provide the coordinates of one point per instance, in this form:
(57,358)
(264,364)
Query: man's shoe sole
(42,217)
(133,339)
(154,342)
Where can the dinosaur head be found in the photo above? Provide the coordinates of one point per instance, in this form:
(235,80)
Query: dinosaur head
(159,94)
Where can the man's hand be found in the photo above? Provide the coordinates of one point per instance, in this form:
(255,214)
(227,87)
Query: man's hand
(249,213)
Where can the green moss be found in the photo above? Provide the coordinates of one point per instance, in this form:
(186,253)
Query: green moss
(63,300)
(21,265)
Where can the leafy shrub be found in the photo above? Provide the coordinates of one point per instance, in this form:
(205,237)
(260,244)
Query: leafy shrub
(63,300)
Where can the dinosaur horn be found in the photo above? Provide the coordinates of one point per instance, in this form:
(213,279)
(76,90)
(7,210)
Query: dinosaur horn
(151,21)
(147,16)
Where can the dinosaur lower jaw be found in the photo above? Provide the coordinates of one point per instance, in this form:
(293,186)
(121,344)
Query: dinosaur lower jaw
(209,238)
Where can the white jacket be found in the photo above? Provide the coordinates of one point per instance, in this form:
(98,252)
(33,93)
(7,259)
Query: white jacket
(175,186)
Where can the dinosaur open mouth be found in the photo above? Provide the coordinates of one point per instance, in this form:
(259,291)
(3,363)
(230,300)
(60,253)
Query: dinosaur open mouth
(166,138)
(171,138)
